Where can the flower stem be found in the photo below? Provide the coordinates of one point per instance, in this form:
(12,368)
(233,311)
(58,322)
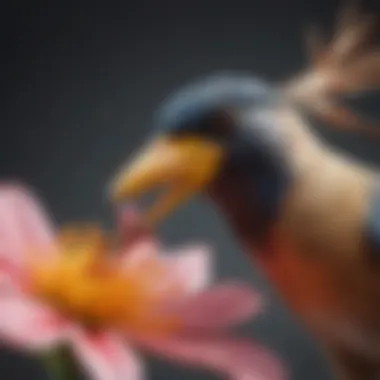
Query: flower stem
(60,364)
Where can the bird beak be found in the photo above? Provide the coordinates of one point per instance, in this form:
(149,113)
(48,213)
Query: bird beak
(183,166)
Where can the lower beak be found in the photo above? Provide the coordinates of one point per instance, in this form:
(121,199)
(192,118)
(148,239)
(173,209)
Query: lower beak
(184,166)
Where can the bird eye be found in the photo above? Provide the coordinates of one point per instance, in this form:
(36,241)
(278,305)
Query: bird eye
(219,124)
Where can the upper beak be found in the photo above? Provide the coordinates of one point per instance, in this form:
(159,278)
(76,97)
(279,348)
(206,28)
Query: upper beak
(185,164)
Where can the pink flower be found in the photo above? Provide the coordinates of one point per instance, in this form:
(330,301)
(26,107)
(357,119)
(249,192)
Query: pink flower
(66,289)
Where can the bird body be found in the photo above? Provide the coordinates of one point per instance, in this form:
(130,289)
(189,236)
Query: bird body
(315,252)
(307,215)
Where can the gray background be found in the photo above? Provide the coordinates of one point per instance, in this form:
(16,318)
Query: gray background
(79,86)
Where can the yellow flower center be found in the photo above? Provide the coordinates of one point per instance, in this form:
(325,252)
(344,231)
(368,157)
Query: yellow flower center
(88,284)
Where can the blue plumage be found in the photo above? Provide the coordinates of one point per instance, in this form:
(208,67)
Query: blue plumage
(185,110)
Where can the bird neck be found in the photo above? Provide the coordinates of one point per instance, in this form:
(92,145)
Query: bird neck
(250,193)
(250,202)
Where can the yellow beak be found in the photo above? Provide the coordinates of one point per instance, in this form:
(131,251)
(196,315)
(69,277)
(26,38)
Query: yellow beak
(184,165)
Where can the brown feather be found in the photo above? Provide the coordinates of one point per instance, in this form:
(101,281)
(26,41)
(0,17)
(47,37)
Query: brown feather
(349,64)
(346,120)
(353,35)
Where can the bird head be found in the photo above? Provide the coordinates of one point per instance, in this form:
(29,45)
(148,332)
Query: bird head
(197,132)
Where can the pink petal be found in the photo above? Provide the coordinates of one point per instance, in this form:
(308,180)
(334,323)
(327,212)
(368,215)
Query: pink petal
(139,253)
(11,277)
(139,245)
(193,265)
(238,359)
(23,223)
(219,307)
(106,357)
(26,325)
(7,285)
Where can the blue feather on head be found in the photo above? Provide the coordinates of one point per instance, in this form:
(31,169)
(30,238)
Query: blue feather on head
(188,109)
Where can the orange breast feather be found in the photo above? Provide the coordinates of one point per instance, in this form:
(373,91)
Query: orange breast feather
(306,285)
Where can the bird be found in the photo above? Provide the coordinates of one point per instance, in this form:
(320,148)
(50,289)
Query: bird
(305,213)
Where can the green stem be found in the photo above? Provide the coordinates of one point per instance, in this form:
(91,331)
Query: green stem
(61,365)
